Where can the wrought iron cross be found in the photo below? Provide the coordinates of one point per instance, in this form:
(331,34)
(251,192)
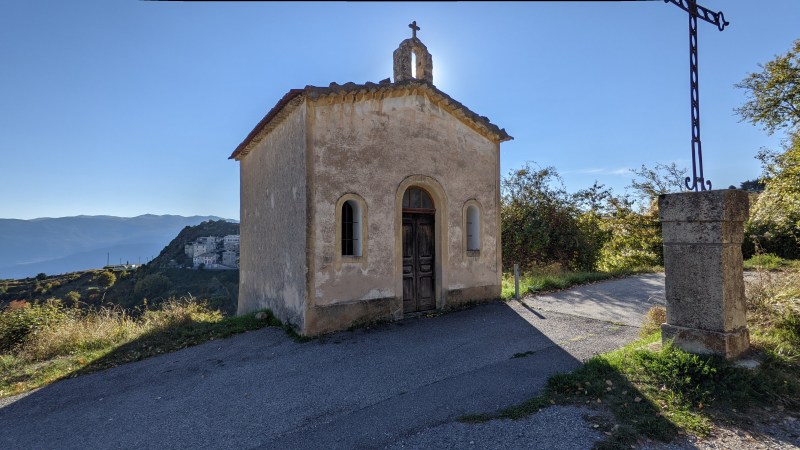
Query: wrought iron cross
(697,181)
(414,29)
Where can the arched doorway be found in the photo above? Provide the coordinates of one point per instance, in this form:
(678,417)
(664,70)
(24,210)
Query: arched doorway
(419,279)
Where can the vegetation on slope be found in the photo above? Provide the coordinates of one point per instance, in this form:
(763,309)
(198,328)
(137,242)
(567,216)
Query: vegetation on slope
(44,342)
(150,285)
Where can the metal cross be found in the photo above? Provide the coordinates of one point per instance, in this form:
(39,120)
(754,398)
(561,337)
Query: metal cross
(697,181)
(414,29)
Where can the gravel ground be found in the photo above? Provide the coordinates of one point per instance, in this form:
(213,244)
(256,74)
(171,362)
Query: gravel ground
(571,427)
(774,432)
(557,427)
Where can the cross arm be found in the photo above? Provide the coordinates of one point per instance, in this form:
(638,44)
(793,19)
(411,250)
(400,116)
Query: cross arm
(701,12)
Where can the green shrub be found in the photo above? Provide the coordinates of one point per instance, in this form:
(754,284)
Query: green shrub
(152,286)
(73,297)
(106,278)
(692,378)
(769,261)
(540,222)
(635,241)
(17,324)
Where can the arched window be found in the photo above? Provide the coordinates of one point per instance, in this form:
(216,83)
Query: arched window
(351,228)
(416,199)
(473,228)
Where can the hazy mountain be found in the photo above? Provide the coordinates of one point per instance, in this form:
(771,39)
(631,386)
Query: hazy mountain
(67,244)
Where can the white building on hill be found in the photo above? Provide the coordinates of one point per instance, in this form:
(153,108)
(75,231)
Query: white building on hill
(207,259)
(231,242)
(214,251)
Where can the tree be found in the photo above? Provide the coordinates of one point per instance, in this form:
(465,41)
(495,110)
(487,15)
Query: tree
(752,185)
(634,233)
(774,103)
(634,238)
(773,95)
(593,199)
(539,222)
(774,223)
(662,179)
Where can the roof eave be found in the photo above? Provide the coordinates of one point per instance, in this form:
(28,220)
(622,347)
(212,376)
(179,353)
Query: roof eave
(265,121)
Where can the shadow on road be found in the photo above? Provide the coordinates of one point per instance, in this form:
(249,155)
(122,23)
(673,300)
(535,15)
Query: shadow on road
(365,388)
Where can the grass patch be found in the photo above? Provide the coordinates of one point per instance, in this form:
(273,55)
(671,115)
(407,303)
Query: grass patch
(769,261)
(657,391)
(543,280)
(41,343)
(656,394)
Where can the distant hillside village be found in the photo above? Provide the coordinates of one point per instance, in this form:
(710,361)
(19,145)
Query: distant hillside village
(214,252)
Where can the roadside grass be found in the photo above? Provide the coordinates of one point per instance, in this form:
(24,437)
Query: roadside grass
(552,279)
(44,342)
(769,261)
(656,392)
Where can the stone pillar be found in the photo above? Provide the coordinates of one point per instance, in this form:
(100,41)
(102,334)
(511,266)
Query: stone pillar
(703,234)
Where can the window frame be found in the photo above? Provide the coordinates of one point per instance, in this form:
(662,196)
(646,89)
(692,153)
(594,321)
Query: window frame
(470,228)
(359,229)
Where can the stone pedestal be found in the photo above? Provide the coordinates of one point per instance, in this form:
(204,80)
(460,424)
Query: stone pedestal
(703,233)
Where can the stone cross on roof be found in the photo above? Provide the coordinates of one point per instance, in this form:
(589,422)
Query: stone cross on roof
(414,29)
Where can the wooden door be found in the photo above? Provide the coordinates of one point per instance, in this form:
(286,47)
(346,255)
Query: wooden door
(418,262)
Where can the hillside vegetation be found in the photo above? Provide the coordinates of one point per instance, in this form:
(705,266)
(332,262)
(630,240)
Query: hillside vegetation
(44,342)
(149,285)
(173,253)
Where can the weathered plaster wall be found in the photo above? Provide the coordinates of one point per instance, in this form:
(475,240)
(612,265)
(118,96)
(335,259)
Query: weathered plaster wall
(370,148)
(273,222)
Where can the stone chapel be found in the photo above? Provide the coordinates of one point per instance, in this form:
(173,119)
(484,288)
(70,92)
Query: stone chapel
(368,202)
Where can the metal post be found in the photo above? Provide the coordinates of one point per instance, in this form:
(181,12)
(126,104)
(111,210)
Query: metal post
(516,281)
(697,181)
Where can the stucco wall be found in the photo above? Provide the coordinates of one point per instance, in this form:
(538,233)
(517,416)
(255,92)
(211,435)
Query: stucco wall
(273,222)
(370,148)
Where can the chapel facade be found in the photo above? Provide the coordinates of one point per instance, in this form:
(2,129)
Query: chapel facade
(367,202)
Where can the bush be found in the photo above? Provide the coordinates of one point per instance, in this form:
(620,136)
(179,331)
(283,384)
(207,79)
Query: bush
(152,286)
(774,224)
(73,297)
(106,278)
(768,261)
(539,222)
(18,324)
(635,241)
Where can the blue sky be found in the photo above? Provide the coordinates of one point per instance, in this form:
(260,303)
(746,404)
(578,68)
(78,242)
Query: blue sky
(127,108)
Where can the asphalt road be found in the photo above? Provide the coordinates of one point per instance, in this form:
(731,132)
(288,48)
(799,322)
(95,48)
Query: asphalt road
(370,388)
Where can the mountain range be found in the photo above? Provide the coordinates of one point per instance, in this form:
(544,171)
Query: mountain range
(68,244)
